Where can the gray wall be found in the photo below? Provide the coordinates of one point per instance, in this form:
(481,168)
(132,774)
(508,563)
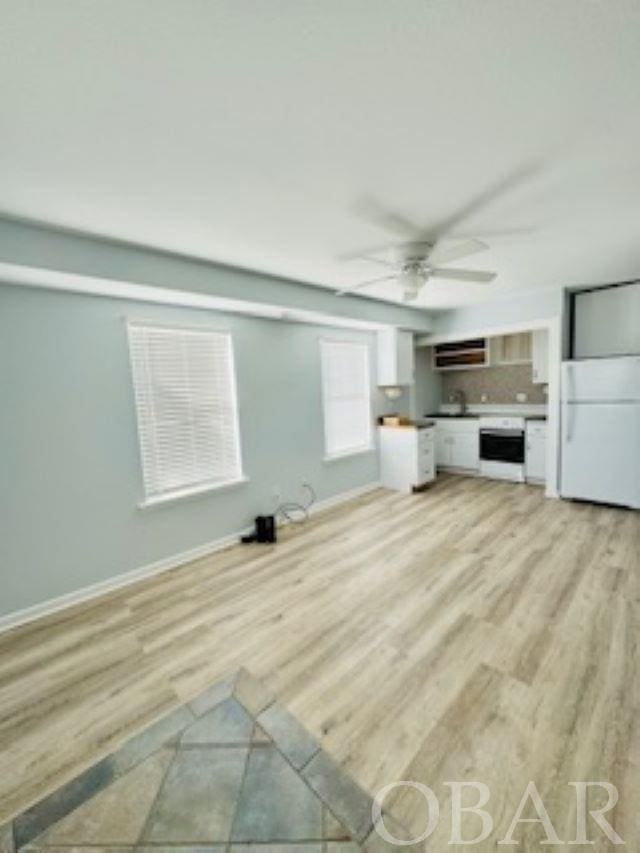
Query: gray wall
(427,391)
(71,477)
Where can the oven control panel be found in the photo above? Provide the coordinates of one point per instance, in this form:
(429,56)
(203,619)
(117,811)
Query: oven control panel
(499,422)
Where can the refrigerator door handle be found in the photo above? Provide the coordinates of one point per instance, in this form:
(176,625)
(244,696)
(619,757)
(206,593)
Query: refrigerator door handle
(569,416)
(569,413)
(569,390)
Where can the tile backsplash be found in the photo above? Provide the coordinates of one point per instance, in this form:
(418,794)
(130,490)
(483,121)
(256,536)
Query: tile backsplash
(500,383)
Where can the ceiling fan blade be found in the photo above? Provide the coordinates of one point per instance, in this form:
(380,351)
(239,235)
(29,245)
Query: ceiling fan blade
(372,211)
(480,276)
(494,232)
(442,254)
(367,253)
(360,284)
(382,261)
(486,197)
(400,251)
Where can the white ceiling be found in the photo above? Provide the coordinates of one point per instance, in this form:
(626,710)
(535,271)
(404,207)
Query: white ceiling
(249,131)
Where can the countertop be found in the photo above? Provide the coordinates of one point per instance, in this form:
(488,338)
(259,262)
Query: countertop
(475,416)
(419,423)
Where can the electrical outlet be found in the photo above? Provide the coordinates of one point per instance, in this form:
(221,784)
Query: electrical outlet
(484,398)
(521,397)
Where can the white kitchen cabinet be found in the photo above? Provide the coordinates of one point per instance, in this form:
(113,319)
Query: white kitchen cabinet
(407,457)
(443,446)
(514,349)
(458,443)
(536,451)
(395,357)
(540,357)
(465,451)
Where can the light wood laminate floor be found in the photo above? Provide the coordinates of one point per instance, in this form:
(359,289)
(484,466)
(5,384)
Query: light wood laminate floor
(476,631)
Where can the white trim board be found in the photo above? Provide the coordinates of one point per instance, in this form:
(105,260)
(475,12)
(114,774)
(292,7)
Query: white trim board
(62,602)
(429,339)
(47,279)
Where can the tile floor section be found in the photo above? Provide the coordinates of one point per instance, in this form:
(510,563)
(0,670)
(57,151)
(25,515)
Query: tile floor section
(231,770)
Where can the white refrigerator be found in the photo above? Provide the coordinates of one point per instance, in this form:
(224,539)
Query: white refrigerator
(600,450)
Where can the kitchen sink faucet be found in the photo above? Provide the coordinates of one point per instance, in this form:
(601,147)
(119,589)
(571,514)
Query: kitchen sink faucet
(460,397)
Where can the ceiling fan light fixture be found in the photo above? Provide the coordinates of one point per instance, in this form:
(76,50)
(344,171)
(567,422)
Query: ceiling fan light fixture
(411,279)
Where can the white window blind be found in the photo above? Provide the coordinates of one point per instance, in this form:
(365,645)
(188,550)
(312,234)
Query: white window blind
(346,397)
(185,394)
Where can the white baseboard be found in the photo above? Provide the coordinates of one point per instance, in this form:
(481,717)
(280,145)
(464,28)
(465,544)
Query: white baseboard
(61,602)
(453,469)
(343,496)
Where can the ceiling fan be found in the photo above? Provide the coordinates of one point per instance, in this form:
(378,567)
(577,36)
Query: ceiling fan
(422,252)
(419,261)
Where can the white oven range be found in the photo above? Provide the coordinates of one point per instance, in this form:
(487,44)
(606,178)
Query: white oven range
(502,443)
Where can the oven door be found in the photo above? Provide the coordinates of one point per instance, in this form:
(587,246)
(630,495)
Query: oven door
(502,445)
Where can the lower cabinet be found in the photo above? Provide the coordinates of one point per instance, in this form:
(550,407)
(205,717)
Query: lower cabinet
(465,452)
(536,452)
(443,446)
(458,444)
(407,457)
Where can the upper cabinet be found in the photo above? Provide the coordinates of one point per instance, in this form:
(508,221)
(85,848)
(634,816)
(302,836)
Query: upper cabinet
(395,357)
(461,355)
(540,357)
(525,348)
(514,349)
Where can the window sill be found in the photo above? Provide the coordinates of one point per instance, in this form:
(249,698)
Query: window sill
(336,457)
(193,492)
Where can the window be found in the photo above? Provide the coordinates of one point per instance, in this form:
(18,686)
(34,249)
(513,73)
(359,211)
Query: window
(346,397)
(185,394)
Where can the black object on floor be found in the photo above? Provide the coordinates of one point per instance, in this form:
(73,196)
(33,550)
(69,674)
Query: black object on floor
(265,530)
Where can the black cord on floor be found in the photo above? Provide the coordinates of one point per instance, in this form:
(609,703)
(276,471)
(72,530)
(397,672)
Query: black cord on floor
(296,512)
